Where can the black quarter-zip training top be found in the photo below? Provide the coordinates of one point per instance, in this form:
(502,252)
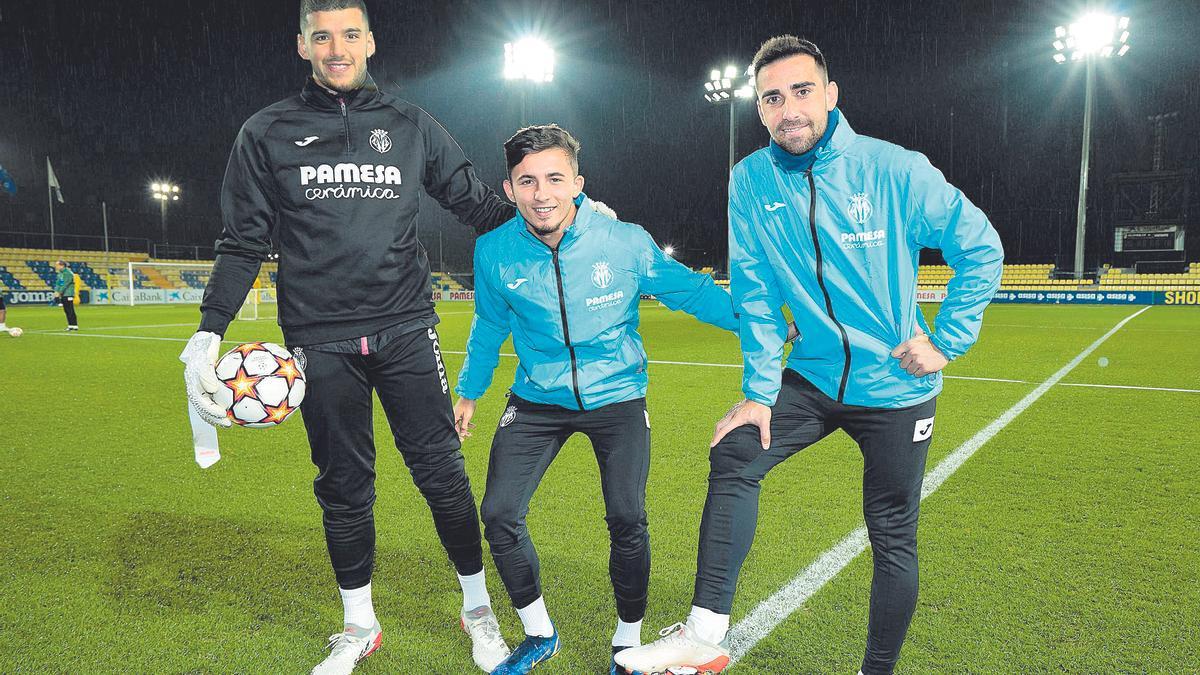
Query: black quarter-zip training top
(336,179)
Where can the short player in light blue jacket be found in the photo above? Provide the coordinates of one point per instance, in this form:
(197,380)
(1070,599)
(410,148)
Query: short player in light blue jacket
(831,223)
(565,281)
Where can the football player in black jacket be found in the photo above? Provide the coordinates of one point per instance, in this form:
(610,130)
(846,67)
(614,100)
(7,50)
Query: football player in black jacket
(333,175)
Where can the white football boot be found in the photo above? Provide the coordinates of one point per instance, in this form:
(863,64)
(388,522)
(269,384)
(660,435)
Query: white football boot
(348,648)
(678,652)
(487,645)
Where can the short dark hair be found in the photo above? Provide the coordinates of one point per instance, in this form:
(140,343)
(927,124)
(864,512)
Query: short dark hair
(309,6)
(537,138)
(783,46)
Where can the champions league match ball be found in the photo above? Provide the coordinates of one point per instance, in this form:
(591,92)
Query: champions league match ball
(15,332)
(264,384)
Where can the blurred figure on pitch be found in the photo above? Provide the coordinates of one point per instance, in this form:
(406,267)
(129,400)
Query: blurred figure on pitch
(4,328)
(64,291)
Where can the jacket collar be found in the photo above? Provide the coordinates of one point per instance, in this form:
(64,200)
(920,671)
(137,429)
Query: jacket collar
(317,96)
(837,137)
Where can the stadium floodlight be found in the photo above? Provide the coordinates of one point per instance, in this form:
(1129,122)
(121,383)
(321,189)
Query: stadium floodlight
(723,87)
(164,192)
(529,59)
(669,250)
(1094,36)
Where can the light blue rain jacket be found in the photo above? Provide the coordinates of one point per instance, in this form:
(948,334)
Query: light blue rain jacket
(835,234)
(573,312)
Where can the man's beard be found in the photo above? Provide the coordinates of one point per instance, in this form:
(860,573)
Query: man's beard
(354,85)
(545,231)
(800,146)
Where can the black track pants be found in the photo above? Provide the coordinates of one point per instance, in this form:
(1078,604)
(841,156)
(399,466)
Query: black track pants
(894,443)
(528,439)
(408,374)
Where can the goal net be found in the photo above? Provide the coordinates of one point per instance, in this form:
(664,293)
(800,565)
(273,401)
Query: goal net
(161,282)
(260,303)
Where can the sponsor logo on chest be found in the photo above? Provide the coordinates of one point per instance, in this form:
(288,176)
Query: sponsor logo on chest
(348,180)
(859,209)
(602,278)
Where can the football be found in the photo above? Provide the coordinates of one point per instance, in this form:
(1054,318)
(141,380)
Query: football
(15,332)
(264,384)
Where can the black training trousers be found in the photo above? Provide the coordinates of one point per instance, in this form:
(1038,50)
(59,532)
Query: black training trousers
(894,443)
(527,440)
(69,309)
(407,372)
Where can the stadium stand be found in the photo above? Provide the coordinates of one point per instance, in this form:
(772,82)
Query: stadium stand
(1039,277)
(33,269)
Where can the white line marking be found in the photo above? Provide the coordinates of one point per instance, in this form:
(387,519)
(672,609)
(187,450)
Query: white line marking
(984,379)
(149,325)
(119,337)
(769,613)
(1126,386)
(667,363)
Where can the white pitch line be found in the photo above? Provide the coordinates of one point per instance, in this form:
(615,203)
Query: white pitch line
(769,613)
(149,325)
(667,363)
(1127,386)
(984,379)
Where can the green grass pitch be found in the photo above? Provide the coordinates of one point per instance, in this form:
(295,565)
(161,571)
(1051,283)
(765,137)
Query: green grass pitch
(1067,543)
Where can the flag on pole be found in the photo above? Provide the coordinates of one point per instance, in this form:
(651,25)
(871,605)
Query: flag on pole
(53,181)
(7,183)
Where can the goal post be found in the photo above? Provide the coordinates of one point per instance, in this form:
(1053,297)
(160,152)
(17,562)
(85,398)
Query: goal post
(158,282)
(260,303)
(183,282)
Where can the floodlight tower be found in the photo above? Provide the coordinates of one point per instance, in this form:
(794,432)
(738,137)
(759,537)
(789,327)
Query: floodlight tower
(1094,36)
(531,60)
(723,88)
(165,192)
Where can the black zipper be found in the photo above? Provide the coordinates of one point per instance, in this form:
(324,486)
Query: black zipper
(812,224)
(345,123)
(562,306)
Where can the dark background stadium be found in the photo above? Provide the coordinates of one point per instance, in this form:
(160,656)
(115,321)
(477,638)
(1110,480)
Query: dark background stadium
(121,93)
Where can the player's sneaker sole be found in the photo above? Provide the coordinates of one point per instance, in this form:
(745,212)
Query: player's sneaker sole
(713,667)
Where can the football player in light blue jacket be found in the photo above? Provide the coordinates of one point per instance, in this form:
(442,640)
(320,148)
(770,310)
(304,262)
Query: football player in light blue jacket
(831,223)
(565,281)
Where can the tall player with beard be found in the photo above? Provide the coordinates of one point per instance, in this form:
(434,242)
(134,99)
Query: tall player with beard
(831,224)
(333,174)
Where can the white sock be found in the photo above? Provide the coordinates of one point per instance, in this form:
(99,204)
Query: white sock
(628,634)
(475,592)
(708,625)
(357,608)
(535,619)
(2,326)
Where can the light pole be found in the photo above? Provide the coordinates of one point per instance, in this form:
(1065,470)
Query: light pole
(165,192)
(723,88)
(531,60)
(1094,36)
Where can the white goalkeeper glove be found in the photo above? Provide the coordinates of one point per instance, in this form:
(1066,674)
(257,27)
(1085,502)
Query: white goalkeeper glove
(200,376)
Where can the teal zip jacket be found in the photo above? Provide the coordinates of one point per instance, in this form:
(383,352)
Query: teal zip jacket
(835,235)
(573,311)
(65,283)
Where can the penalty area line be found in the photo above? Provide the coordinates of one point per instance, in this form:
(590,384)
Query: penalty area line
(771,612)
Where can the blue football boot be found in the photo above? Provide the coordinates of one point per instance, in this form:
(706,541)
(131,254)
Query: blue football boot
(529,654)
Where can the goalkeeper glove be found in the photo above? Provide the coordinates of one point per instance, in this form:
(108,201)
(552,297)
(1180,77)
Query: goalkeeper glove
(199,358)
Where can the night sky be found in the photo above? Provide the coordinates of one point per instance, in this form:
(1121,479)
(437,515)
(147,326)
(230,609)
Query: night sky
(121,93)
